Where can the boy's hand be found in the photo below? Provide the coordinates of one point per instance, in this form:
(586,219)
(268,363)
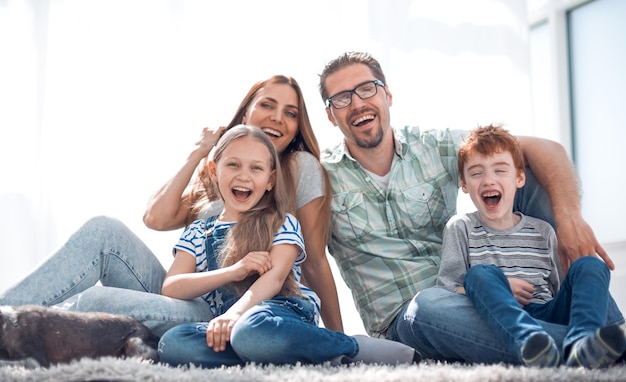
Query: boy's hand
(522,290)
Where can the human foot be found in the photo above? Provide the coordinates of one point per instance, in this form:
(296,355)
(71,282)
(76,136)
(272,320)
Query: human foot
(381,351)
(539,350)
(598,350)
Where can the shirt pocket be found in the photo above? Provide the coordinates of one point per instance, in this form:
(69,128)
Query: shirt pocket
(350,215)
(422,206)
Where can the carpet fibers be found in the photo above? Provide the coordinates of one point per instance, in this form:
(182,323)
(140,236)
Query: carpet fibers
(112,369)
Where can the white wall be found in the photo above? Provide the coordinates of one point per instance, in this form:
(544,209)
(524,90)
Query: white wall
(577,83)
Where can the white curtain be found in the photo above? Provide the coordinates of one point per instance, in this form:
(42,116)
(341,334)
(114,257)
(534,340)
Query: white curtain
(101,100)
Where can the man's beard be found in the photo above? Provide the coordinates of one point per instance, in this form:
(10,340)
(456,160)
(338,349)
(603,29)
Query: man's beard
(370,142)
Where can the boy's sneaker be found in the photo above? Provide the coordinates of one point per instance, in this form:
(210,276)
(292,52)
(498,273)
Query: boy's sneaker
(598,350)
(539,350)
(380,351)
(620,361)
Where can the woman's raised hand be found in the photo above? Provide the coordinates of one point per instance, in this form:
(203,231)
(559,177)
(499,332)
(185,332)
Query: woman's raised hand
(208,139)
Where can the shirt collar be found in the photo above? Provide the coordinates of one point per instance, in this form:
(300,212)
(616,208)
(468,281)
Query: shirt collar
(338,152)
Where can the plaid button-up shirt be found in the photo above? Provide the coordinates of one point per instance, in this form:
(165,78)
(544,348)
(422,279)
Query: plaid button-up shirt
(387,242)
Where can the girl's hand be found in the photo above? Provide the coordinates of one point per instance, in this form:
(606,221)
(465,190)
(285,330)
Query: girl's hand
(522,290)
(219,329)
(254,262)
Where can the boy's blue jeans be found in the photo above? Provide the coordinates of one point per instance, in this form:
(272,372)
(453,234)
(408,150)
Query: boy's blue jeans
(279,329)
(444,325)
(582,303)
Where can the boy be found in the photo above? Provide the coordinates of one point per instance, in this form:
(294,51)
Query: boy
(507,264)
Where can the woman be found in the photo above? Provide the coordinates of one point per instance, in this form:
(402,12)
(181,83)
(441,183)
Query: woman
(104,250)
(277,106)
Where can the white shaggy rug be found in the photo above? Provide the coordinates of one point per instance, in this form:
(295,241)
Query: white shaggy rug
(112,369)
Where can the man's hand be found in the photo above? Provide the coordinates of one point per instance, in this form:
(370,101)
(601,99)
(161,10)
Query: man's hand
(555,171)
(576,239)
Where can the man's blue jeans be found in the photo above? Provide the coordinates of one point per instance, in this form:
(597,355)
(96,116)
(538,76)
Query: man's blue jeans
(444,325)
(279,329)
(582,303)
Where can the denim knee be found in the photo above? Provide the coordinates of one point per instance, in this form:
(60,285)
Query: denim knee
(432,305)
(252,327)
(275,330)
(255,336)
(591,265)
(482,275)
(186,344)
(428,302)
(104,223)
(181,344)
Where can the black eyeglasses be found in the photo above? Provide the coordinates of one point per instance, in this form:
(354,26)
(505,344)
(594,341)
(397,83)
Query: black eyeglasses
(364,91)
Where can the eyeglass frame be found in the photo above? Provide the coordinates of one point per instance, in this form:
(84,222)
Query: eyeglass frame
(329,100)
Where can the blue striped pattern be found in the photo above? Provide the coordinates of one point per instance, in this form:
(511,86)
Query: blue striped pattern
(523,252)
(194,240)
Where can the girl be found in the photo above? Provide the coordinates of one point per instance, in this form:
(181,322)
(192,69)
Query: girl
(245,262)
(275,105)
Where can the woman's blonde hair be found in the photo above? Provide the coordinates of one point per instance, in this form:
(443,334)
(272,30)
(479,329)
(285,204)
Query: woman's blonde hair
(304,140)
(255,228)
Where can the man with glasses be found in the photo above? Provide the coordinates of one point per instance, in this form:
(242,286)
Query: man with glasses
(394,189)
(365,90)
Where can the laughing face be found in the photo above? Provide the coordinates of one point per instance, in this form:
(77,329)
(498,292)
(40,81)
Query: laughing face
(363,123)
(491,182)
(274,110)
(243,174)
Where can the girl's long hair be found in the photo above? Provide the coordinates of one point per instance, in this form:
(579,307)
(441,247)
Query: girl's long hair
(256,227)
(305,140)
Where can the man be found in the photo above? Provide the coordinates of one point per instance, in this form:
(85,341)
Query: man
(394,190)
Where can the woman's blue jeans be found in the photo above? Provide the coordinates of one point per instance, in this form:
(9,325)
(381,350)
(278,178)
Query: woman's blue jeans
(281,330)
(104,250)
(582,304)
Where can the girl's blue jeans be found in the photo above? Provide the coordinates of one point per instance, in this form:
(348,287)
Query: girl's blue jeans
(281,330)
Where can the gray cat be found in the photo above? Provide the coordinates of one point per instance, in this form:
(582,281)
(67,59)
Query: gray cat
(33,336)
